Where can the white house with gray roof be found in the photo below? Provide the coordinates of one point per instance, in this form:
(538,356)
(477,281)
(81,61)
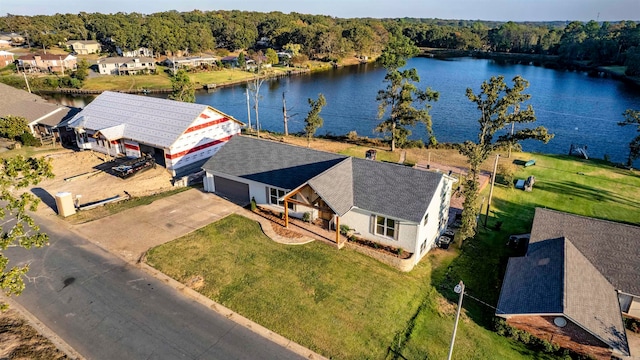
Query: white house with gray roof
(180,136)
(390,204)
(577,271)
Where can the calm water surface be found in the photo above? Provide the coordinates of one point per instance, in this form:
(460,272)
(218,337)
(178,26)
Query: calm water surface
(577,108)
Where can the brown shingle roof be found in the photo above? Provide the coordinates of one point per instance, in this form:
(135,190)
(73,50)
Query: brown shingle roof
(21,103)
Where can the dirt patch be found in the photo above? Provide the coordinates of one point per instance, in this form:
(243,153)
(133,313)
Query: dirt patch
(18,340)
(77,172)
(195,282)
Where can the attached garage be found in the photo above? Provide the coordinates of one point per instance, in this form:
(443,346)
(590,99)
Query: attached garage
(233,190)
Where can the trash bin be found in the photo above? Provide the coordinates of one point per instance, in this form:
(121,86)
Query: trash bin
(64,203)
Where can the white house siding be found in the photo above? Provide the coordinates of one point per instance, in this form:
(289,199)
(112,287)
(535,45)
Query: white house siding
(201,140)
(132,148)
(108,68)
(437,220)
(360,220)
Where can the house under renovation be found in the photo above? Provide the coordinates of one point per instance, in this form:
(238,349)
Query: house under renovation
(179,136)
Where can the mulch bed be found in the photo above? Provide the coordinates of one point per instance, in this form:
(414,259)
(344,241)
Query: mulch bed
(388,250)
(277,223)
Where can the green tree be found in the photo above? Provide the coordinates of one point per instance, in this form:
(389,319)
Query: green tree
(633,61)
(632,117)
(314,121)
(82,71)
(242,61)
(499,105)
(11,127)
(16,174)
(272,56)
(183,88)
(397,51)
(397,99)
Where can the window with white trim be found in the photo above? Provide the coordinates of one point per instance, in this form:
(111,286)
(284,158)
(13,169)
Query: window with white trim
(386,226)
(274,198)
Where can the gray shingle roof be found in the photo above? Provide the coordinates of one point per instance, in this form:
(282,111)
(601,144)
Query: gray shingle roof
(613,248)
(591,301)
(388,189)
(335,186)
(554,278)
(534,284)
(268,162)
(393,189)
(153,121)
(32,107)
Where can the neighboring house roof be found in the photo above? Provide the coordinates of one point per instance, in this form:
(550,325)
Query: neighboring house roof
(153,121)
(5,53)
(124,60)
(46,57)
(229,58)
(84,42)
(611,247)
(32,107)
(342,182)
(554,278)
(559,275)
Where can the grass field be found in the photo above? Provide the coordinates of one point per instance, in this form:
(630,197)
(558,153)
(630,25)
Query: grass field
(346,305)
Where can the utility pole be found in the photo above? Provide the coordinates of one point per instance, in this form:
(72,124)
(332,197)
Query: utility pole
(248,108)
(459,289)
(517,110)
(284,114)
(26,81)
(493,182)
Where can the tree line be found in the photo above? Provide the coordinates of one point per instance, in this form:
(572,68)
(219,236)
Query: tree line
(330,38)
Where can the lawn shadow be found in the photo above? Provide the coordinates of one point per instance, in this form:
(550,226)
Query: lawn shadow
(574,189)
(45,197)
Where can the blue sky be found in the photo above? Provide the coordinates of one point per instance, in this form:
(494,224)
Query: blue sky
(502,10)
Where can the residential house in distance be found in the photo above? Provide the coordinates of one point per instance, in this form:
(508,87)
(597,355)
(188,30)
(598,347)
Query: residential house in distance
(13,39)
(578,278)
(42,116)
(139,52)
(189,61)
(6,58)
(386,203)
(231,61)
(126,65)
(5,44)
(84,47)
(180,136)
(47,63)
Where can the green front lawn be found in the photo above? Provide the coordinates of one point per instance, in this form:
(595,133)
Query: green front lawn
(345,305)
(339,303)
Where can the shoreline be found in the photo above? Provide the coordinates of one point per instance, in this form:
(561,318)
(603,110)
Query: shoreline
(552,62)
(547,61)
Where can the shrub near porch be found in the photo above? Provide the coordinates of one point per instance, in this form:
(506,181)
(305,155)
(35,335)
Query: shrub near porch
(340,304)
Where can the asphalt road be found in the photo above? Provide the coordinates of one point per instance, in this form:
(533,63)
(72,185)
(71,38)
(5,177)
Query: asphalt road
(107,309)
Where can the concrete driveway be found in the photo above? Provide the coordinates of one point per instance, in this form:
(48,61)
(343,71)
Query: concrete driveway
(132,232)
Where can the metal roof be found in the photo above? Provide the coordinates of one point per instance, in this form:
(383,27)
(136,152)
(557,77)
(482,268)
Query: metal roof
(149,120)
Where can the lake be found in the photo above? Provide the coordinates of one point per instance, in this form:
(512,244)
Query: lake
(577,108)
